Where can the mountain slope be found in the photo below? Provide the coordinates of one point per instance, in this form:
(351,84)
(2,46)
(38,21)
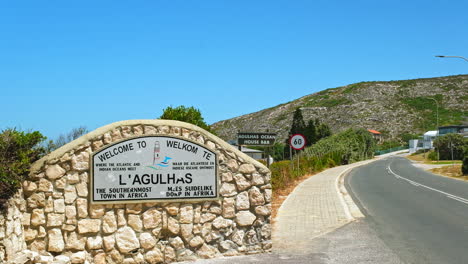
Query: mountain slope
(393,107)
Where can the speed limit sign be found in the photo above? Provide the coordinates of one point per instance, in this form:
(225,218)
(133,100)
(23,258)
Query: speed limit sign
(297,141)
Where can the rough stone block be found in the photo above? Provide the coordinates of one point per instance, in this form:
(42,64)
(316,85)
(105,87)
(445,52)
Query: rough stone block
(256,197)
(186,214)
(152,218)
(109,223)
(242,201)
(54,172)
(245,218)
(38,217)
(126,240)
(247,169)
(94,243)
(56,243)
(89,226)
(147,241)
(241,183)
(55,220)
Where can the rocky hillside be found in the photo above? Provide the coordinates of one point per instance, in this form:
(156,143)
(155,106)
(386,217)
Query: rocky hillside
(393,108)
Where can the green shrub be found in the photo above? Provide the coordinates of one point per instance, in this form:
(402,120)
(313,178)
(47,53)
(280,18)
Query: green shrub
(450,143)
(432,155)
(346,147)
(389,144)
(280,173)
(17,151)
(465,162)
(331,163)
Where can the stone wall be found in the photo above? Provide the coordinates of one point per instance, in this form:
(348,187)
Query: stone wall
(11,228)
(59,218)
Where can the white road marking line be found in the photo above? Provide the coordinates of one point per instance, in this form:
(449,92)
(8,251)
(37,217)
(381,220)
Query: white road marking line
(451,196)
(457,199)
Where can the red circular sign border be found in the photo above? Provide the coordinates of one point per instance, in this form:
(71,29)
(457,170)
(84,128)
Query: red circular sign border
(305,141)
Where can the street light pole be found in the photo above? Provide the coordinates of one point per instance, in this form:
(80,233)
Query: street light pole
(443,56)
(459,57)
(437,121)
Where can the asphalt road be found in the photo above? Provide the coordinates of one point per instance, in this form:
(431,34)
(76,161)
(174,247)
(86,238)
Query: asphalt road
(421,217)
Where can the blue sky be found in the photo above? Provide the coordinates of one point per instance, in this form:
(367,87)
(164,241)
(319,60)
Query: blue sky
(65,64)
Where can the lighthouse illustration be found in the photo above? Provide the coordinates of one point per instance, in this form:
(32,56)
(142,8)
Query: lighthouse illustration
(157,163)
(157,152)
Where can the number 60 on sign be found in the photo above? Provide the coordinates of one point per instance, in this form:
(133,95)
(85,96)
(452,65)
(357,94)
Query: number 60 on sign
(297,141)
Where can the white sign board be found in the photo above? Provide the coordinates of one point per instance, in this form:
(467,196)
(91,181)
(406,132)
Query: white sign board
(153,168)
(297,141)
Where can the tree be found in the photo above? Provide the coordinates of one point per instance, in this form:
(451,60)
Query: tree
(297,127)
(17,151)
(185,114)
(311,132)
(323,131)
(65,138)
(450,143)
(465,161)
(315,130)
(277,152)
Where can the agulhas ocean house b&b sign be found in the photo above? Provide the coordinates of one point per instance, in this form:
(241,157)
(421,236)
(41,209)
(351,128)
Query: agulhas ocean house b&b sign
(151,168)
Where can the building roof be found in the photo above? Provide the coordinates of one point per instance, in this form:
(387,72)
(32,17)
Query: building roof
(374,131)
(454,126)
(248,150)
(431,133)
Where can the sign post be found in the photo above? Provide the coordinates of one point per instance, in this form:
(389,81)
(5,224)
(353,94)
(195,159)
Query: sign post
(297,142)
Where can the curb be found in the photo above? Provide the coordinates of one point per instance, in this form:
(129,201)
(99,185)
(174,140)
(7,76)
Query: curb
(352,211)
(350,208)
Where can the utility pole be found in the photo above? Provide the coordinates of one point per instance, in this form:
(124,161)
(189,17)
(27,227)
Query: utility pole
(437,120)
(451,144)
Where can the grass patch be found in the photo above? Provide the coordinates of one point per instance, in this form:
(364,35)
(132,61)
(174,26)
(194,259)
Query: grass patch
(280,118)
(423,157)
(354,87)
(450,171)
(406,83)
(427,109)
(326,101)
(446,162)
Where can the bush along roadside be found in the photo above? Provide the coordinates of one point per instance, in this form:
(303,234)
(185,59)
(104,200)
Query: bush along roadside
(343,148)
(18,150)
(450,146)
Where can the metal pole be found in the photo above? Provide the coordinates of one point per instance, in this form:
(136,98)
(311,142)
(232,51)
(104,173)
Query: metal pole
(451,148)
(437,120)
(290,157)
(268,156)
(298,167)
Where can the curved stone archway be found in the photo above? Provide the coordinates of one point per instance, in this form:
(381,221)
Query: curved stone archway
(60,218)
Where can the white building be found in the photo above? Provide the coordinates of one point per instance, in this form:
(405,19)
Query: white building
(253,153)
(425,143)
(429,138)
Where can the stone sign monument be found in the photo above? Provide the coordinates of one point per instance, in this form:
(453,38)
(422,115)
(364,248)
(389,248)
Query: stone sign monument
(140,191)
